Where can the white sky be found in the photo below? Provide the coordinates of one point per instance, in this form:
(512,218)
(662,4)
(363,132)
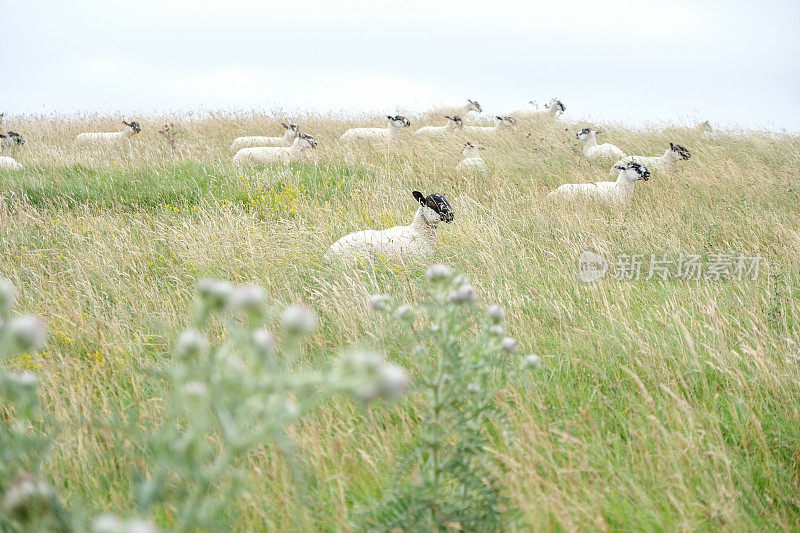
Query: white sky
(732,62)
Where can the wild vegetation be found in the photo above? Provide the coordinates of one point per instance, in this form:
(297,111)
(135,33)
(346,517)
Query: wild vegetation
(660,404)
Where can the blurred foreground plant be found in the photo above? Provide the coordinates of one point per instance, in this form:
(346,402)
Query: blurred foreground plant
(28,502)
(227,400)
(447,478)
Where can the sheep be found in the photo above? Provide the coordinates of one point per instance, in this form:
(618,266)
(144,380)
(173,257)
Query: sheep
(454,125)
(396,126)
(665,163)
(594,151)
(131,129)
(504,123)
(9,163)
(620,191)
(552,109)
(460,110)
(414,242)
(10,139)
(274,154)
(472,160)
(292,131)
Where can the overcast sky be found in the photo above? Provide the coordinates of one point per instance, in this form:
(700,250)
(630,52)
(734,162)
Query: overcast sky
(734,63)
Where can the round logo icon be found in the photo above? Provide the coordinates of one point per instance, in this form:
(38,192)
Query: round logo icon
(591,266)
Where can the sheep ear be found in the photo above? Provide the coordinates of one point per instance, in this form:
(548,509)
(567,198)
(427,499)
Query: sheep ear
(284,125)
(598,131)
(418,196)
(448,118)
(671,146)
(619,167)
(390,117)
(125,123)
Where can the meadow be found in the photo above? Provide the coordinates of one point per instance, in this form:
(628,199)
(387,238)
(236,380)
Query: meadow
(661,404)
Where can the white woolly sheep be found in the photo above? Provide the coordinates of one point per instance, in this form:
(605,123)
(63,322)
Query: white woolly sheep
(131,129)
(594,151)
(472,160)
(664,164)
(393,131)
(550,112)
(620,191)
(9,163)
(502,124)
(274,154)
(10,140)
(414,242)
(454,125)
(292,131)
(460,110)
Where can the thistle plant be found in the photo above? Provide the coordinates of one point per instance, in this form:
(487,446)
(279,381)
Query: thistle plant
(243,393)
(447,478)
(28,502)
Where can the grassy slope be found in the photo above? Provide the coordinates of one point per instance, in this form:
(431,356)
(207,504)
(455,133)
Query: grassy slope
(662,406)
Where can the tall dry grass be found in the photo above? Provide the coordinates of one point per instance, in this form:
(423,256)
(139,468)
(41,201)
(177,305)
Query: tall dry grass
(663,405)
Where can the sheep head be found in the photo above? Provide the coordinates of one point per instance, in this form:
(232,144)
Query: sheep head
(435,208)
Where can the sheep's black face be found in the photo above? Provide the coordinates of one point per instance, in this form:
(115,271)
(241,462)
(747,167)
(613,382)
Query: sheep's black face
(641,171)
(133,125)
(294,127)
(16,138)
(456,119)
(438,203)
(400,121)
(680,150)
(583,133)
(312,142)
(474,106)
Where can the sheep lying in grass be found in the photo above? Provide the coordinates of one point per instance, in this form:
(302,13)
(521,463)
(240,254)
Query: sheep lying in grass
(292,131)
(594,151)
(414,242)
(664,164)
(620,191)
(460,110)
(393,131)
(502,124)
(454,125)
(551,111)
(472,160)
(10,140)
(274,154)
(9,163)
(131,129)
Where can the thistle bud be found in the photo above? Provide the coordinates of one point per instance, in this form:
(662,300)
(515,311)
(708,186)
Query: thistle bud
(496,312)
(392,381)
(265,342)
(509,345)
(298,319)
(249,298)
(27,332)
(438,273)
(533,361)
(8,297)
(405,313)
(191,345)
(379,302)
(216,294)
(28,497)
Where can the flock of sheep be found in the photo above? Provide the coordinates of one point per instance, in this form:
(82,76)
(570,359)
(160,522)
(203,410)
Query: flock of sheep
(418,240)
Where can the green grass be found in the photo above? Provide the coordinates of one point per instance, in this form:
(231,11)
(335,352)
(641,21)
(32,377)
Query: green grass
(662,405)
